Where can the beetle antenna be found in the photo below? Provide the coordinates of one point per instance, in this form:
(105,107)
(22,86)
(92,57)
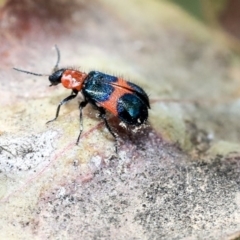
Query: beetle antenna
(58,58)
(32,73)
(38,74)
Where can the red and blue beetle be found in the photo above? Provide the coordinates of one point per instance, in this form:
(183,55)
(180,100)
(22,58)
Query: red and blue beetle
(123,99)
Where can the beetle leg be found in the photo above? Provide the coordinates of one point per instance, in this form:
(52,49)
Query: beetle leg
(81,106)
(103,117)
(65,100)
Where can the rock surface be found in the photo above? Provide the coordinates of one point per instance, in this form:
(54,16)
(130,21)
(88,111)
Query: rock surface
(177,178)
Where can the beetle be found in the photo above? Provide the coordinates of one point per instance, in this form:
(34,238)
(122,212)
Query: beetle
(125,100)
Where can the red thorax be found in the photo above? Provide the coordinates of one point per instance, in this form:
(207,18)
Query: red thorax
(73,79)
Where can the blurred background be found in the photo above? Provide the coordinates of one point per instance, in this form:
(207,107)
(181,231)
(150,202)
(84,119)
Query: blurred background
(223,15)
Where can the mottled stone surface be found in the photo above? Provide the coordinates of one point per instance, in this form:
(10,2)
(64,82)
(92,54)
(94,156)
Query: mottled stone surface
(176,178)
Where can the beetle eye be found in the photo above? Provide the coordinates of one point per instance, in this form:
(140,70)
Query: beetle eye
(55,78)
